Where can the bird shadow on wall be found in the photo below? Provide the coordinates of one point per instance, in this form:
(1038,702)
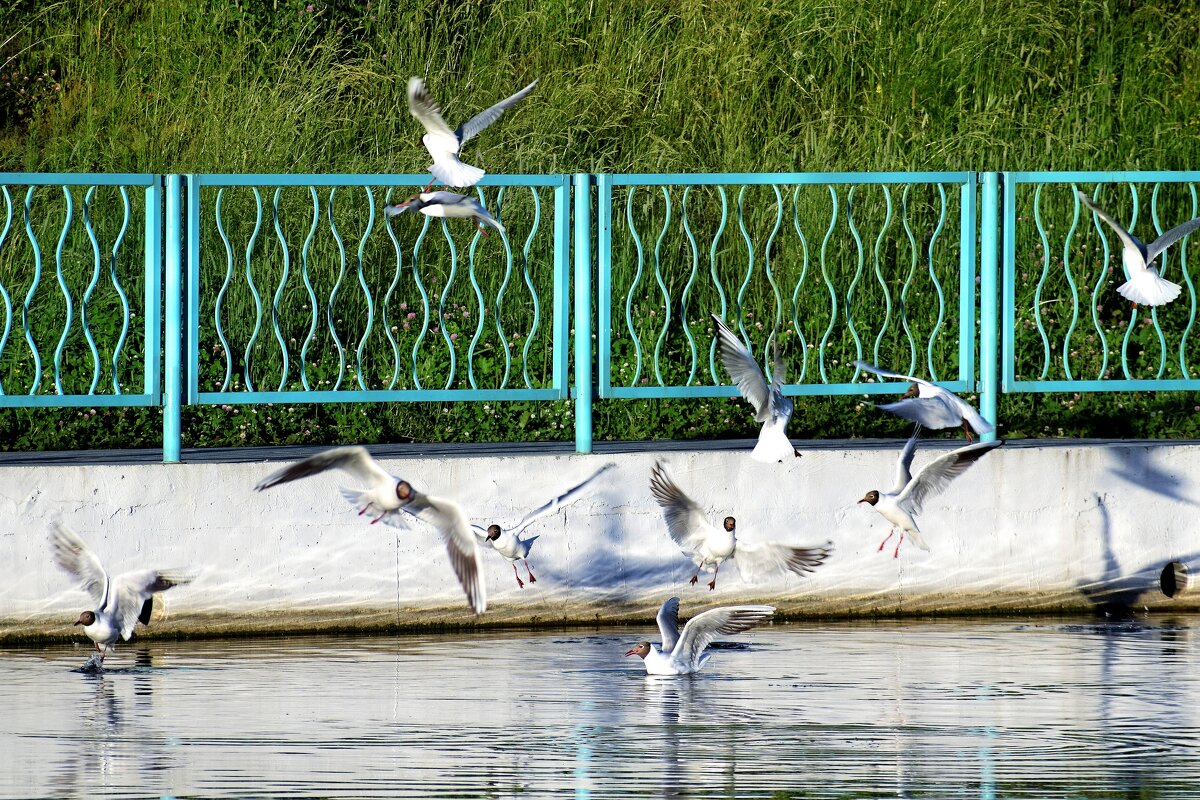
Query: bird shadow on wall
(1136,466)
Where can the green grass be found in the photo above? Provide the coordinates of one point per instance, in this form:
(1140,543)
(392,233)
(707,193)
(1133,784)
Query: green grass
(657,86)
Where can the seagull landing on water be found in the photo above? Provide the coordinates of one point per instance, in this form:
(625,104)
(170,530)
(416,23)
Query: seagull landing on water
(709,546)
(905,500)
(443,143)
(684,653)
(121,602)
(508,542)
(447,204)
(1145,285)
(771,408)
(931,406)
(391,500)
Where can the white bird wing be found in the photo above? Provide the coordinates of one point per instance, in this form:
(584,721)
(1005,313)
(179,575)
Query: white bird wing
(469,129)
(773,558)
(422,106)
(887,373)
(1127,238)
(1169,238)
(566,498)
(354,460)
(744,370)
(131,590)
(686,521)
(904,464)
(701,630)
(75,557)
(935,476)
(461,543)
(668,624)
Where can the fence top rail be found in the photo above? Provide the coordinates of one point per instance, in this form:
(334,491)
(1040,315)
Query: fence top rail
(1100,176)
(76,179)
(803,178)
(265,179)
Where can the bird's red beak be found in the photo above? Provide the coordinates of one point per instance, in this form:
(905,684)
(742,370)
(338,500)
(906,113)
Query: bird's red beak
(632,652)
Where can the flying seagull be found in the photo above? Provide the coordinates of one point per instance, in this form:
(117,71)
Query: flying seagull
(447,204)
(1144,286)
(684,653)
(443,143)
(931,406)
(771,408)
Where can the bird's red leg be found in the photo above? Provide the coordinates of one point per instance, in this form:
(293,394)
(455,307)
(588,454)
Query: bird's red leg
(381,516)
(896,552)
(695,577)
(428,186)
(891,533)
(967,431)
(520,583)
(713,583)
(482,228)
(527,569)
(363,510)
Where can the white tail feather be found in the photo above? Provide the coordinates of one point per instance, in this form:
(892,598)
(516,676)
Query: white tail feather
(1148,289)
(456,173)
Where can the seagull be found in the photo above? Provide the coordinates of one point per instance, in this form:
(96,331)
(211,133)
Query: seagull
(900,504)
(121,602)
(390,499)
(931,406)
(1144,286)
(447,204)
(684,653)
(771,408)
(709,546)
(443,143)
(507,541)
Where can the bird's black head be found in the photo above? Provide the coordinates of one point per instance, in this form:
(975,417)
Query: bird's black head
(730,523)
(493,532)
(404,491)
(912,391)
(871,497)
(85,619)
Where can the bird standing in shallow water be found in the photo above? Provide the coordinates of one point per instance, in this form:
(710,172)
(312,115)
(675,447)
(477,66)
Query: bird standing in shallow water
(684,653)
(121,602)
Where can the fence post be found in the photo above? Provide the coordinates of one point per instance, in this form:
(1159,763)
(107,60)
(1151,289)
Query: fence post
(173,356)
(583,313)
(989,324)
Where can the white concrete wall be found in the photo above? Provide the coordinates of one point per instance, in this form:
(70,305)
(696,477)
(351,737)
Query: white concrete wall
(1026,528)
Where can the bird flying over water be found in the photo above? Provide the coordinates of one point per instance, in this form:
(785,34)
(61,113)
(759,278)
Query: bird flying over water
(771,408)
(443,143)
(1145,285)
(121,602)
(931,406)
(449,205)
(684,653)
(709,546)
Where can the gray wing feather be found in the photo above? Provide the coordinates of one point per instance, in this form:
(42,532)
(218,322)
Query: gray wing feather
(685,519)
(469,129)
(74,557)
(564,499)
(904,465)
(461,543)
(939,473)
(744,370)
(132,589)
(1127,238)
(354,460)
(701,630)
(422,106)
(887,373)
(1169,238)
(668,624)
(773,558)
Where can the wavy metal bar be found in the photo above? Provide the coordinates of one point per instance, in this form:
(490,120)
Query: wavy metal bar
(362,281)
(312,295)
(224,289)
(799,284)
(386,314)
(937,284)
(828,282)
(508,266)
(37,277)
(637,278)
(91,287)
(887,295)
(424,299)
(1099,283)
(771,278)
(662,234)
(8,310)
(442,300)
(1187,278)
(1162,268)
(1037,293)
(115,279)
(1133,314)
(1066,259)
(258,209)
(913,250)
(278,296)
(712,269)
(66,291)
(337,285)
(741,313)
(480,308)
(858,271)
(687,288)
(537,306)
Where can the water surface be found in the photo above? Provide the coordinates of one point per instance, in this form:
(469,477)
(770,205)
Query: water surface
(996,708)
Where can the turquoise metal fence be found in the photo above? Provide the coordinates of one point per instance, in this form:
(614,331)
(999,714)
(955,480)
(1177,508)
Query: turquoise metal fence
(837,267)
(1065,327)
(90,338)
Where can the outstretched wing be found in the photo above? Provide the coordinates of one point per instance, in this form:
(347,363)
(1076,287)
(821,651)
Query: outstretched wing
(566,498)
(75,557)
(668,624)
(1169,238)
(744,370)
(132,589)
(354,460)
(1127,238)
(773,558)
(938,474)
(701,630)
(904,464)
(422,106)
(887,373)
(461,543)
(469,129)
(686,521)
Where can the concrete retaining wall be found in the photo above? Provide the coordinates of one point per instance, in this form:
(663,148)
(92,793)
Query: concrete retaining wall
(1028,528)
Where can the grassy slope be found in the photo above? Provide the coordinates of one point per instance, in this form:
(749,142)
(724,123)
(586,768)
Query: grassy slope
(651,86)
